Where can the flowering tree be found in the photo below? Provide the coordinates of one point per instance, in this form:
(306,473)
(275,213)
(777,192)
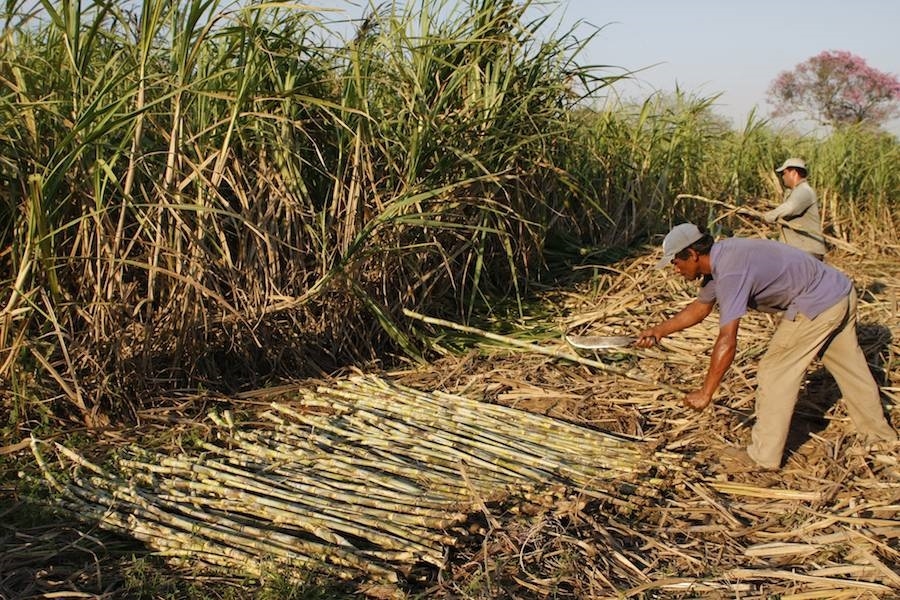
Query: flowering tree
(836,88)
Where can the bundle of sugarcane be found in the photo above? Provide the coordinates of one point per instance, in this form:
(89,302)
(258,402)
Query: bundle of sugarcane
(362,478)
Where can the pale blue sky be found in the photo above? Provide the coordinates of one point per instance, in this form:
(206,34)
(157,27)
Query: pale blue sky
(736,48)
(707,47)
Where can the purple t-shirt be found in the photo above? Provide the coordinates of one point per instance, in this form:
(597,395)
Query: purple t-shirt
(771,277)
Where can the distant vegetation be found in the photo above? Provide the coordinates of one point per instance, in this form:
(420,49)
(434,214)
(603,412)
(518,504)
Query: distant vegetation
(201,195)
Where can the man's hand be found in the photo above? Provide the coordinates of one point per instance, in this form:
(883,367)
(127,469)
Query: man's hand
(698,400)
(647,338)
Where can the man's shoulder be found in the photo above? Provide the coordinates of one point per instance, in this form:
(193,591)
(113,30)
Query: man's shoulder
(738,254)
(730,253)
(804,188)
(743,244)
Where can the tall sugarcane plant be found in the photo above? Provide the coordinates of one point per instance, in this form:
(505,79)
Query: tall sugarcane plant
(199,188)
(205,193)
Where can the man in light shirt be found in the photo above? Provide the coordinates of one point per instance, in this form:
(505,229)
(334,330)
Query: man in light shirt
(798,215)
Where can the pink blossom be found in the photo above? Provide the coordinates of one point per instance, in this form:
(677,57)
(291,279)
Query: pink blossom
(838,88)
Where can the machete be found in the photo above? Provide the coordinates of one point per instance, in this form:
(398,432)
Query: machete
(600,342)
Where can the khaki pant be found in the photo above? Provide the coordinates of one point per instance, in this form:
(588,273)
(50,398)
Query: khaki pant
(781,372)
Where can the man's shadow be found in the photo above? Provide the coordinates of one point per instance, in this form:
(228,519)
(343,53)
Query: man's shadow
(821,393)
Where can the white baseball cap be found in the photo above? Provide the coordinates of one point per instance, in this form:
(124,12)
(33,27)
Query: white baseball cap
(797,163)
(677,240)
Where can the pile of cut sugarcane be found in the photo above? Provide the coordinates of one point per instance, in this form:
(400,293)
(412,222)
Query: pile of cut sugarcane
(362,478)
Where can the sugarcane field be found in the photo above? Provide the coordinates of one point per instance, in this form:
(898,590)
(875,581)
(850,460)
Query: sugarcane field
(401,313)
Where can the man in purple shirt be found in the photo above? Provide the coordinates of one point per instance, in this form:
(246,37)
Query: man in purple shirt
(819,306)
